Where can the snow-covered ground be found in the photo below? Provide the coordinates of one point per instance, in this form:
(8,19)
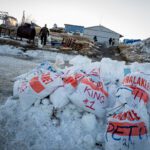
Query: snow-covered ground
(36,55)
(41,127)
(11,67)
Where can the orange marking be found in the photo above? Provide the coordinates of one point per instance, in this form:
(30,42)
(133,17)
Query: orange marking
(141,94)
(72,81)
(36,85)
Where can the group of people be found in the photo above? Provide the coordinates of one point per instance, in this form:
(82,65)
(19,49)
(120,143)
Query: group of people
(111,42)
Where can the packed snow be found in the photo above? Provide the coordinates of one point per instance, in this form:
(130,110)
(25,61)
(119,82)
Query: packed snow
(38,55)
(143,46)
(54,121)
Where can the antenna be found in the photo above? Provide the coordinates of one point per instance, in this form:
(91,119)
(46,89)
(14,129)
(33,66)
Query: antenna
(23,18)
(100,22)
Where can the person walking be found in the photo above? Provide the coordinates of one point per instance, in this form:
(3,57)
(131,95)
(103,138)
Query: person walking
(110,41)
(113,42)
(95,38)
(44,33)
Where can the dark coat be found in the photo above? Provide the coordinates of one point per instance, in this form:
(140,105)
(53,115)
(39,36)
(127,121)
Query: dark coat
(44,31)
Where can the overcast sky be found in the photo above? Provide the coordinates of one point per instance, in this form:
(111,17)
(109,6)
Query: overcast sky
(130,18)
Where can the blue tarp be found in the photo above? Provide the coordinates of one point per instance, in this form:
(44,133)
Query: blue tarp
(131,41)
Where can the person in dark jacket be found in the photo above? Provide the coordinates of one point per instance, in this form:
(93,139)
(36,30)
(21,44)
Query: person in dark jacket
(110,41)
(95,38)
(44,33)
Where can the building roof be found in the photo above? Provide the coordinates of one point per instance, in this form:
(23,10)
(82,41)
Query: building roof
(11,17)
(74,25)
(105,28)
(34,24)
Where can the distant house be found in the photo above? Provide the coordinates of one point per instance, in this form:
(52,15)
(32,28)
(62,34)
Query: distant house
(10,21)
(102,34)
(74,28)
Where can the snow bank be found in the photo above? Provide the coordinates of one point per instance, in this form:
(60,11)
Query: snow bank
(10,50)
(36,54)
(45,55)
(80,60)
(143,46)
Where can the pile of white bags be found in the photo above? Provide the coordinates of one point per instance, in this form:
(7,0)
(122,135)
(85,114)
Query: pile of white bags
(83,87)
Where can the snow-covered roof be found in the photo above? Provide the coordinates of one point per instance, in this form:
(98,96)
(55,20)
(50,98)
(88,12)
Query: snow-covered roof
(11,17)
(103,27)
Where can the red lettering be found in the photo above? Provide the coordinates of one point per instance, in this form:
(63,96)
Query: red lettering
(119,116)
(124,116)
(78,76)
(143,83)
(138,81)
(135,115)
(95,72)
(89,104)
(141,94)
(130,79)
(129,115)
(134,80)
(46,78)
(125,128)
(94,86)
(87,90)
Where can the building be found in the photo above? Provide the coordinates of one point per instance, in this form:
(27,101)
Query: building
(74,28)
(102,34)
(10,21)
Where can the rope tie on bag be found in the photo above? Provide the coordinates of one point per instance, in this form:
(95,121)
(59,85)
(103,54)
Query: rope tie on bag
(116,110)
